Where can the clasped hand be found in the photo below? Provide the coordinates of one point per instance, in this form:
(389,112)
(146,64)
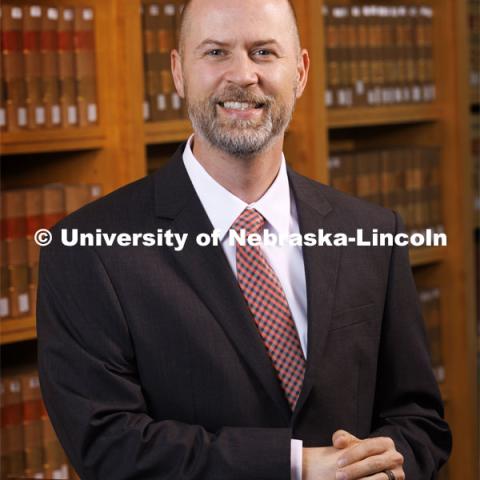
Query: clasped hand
(353,459)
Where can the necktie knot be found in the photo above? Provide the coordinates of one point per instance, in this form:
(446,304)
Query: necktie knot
(249,220)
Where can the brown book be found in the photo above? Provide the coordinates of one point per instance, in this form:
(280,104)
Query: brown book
(13,66)
(55,462)
(341,19)
(66,67)
(402,41)
(387,178)
(3,89)
(358,51)
(75,197)
(426,54)
(50,67)
(85,66)
(332,45)
(32,31)
(389,54)
(14,226)
(32,424)
(152,67)
(53,204)
(416,58)
(166,42)
(4,293)
(12,426)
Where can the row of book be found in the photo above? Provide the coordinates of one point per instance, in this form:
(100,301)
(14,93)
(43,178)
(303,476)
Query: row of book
(379,54)
(430,303)
(405,179)
(474,34)
(29,447)
(48,74)
(24,212)
(160,22)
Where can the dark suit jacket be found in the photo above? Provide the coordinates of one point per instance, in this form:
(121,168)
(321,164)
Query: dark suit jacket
(152,368)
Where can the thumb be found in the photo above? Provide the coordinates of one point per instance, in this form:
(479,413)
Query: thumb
(343,439)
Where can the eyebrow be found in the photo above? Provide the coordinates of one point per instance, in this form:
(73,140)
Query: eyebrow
(219,43)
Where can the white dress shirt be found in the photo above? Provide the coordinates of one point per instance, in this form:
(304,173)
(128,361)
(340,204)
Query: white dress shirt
(278,208)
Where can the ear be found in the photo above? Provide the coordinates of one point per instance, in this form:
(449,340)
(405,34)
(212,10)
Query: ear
(177,72)
(303,67)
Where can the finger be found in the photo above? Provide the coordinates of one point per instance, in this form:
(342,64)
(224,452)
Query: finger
(364,449)
(342,439)
(399,475)
(391,460)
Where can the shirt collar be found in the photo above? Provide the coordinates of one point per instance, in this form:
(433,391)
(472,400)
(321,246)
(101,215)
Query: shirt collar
(223,208)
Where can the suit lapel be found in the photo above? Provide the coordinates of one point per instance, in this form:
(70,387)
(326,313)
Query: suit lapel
(321,268)
(210,275)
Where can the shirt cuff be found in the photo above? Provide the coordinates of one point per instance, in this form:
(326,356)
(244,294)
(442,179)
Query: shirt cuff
(296,459)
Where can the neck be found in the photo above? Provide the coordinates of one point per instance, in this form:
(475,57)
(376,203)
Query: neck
(246,178)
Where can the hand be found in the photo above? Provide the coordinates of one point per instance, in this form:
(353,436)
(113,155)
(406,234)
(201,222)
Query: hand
(320,463)
(366,459)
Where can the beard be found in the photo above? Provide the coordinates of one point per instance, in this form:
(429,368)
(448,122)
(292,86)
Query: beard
(236,137)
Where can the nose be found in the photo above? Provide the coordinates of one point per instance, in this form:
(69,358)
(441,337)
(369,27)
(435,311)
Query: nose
(242,70)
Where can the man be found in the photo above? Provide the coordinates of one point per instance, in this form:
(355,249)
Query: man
(237,362)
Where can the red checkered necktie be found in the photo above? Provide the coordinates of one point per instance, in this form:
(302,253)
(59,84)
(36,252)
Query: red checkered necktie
(268,304)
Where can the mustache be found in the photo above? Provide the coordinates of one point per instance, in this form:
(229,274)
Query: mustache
(241,95)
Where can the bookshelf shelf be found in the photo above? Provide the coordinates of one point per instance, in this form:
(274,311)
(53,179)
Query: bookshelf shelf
(371,116)
(17,330)
(167,132)
(54,140)
(427,256)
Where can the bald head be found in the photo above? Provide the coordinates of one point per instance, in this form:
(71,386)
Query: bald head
(188,15)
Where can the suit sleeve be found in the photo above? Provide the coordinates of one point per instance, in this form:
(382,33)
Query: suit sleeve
(408,406)
(94,396)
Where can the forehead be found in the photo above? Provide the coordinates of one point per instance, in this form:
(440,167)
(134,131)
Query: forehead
(236,20)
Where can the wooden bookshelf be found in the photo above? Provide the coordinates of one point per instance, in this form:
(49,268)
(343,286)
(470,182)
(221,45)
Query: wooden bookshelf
(52,140)
(391,115)
(115,153)
(17,330)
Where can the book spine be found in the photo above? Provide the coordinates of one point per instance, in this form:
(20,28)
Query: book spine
(32,31)
(85,66)
(66,67)
(14,67)
(3,89)
(331,53)
(50,67)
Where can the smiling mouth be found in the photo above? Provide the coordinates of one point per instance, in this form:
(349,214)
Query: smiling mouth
(241,106)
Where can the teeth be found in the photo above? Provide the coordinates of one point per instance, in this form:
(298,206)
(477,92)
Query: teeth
(238,105)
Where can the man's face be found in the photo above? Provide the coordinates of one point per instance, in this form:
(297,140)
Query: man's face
(241,71)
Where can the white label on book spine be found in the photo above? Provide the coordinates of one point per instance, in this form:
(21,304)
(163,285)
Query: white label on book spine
(35,11)
(33,382)
(92,112)
(169,10)
(39,475)
(72,114)
(154,10)
(3,118)
(15,386)
(328,98)
(176,101)
(40,115)
(23,303)
(161,103)
(52,13)
(95,191)
(22,116)
(416,94)
(68,14)
(87,14)
(4,310)
(56,117)
(146,111)
(16,13)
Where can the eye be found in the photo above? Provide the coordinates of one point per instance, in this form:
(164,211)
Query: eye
(216,52)
(263,52)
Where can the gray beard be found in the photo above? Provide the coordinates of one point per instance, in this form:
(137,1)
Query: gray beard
(239,138)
